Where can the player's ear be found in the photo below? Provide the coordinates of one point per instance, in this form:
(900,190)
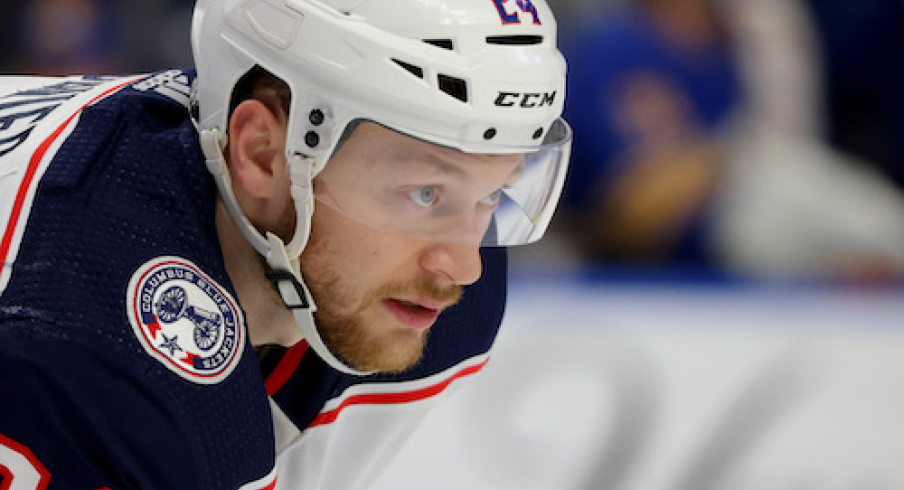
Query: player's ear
(256,147)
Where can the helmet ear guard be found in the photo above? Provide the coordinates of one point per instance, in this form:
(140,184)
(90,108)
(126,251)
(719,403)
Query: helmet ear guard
(484,77)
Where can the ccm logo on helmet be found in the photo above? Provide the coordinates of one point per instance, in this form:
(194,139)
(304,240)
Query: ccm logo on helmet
(526,99)
(511,17)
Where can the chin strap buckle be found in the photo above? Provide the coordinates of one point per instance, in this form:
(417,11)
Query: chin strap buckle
(277,276)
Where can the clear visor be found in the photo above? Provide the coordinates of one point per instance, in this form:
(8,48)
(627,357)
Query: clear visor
(406,186)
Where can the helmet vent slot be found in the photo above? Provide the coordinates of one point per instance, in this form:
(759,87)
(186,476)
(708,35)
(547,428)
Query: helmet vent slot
(456,87)
(441,43)
(524,40)
(414,70)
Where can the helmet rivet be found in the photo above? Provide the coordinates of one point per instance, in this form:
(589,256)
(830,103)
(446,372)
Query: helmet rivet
(316,117)
(489,134)
(311,139)
(538,133)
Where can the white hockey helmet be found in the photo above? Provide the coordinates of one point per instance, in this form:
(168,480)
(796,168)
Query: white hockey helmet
(480,76)
(477,76)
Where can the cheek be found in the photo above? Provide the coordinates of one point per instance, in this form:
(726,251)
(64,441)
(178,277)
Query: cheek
(364,250)
(339,261)
(356,264)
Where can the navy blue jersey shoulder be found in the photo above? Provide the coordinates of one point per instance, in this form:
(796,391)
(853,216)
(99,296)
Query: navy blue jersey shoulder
(80,392)
(465,330)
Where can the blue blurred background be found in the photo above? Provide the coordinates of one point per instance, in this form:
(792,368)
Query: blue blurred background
(748,140)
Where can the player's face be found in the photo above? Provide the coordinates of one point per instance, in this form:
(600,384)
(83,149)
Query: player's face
(378,292)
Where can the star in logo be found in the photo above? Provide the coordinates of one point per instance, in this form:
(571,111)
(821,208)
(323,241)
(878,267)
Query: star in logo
(170,344)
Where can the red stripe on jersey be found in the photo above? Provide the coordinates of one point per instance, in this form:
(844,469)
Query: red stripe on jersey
(6,477)
(271,486)
(287,365)
(263,481)
(330,416)
(32,169)
(26,453)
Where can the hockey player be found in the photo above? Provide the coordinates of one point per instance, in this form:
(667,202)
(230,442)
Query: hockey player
(134,285)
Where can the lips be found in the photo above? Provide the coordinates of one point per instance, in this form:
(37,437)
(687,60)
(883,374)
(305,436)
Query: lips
(418,315)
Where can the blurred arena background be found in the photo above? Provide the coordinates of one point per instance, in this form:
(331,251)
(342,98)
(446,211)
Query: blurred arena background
(719,304)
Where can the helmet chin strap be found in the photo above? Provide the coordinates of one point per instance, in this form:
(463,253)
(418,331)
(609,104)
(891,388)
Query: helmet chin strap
(285,273)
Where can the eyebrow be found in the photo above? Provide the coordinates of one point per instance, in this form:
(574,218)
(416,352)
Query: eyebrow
(445,166)
(455,170)
(438,163)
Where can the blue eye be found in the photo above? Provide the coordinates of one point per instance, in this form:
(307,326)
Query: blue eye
(492,199)
(423,196)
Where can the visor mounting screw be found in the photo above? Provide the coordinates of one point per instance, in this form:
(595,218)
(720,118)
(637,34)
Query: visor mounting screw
(316,117)
(311,139)
(538,133)
(489,134)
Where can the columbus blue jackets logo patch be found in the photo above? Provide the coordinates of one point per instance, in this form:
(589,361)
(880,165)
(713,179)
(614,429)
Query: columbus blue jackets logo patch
(185,320)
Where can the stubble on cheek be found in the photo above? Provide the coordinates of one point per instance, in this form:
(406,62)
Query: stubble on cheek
(353,323)
(368,337)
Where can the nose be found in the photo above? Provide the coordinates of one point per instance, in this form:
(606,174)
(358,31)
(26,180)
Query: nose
(459,263)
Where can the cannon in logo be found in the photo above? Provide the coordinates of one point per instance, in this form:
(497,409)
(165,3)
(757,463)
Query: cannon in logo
(173,305)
